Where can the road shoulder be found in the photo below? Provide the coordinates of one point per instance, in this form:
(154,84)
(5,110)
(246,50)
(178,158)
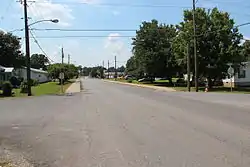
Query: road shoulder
(143,86)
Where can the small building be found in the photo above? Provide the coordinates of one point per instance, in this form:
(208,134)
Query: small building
(36,74)
(240,79)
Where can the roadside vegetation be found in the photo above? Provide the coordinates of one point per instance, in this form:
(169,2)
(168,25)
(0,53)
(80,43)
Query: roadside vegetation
(161,51)
(180,85)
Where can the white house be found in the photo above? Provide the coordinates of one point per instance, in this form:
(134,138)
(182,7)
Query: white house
(36,74)
(240,79)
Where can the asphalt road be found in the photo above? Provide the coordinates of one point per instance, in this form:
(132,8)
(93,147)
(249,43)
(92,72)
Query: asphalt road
(112,125)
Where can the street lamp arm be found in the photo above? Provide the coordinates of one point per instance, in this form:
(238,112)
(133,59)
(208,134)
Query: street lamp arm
(45,20)
(240,25)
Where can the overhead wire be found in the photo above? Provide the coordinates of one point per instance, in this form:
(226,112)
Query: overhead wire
(39,46)
(59,29)
(82,36)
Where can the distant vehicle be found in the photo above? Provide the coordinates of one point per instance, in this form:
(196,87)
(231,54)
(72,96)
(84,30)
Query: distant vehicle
(146,80)
(127,77)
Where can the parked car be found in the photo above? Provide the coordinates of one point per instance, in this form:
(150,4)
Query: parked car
(128,77)
(146,80)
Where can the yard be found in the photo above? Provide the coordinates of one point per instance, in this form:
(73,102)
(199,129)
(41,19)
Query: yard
(44,89)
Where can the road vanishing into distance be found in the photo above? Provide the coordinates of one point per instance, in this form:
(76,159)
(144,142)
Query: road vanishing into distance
(113,125)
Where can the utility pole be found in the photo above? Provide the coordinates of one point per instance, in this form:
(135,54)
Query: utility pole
(195,50)
(68,58)
(115,69)
(27,46)
(108,69)
(103,64)
(188,67)
(62,74)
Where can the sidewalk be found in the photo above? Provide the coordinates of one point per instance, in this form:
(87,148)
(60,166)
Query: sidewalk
(75,87)
(144,86)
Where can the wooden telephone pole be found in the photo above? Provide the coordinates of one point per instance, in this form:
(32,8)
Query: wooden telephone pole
(27,47)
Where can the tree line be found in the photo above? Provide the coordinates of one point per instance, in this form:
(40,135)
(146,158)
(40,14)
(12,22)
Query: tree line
(98,71)
(161,50)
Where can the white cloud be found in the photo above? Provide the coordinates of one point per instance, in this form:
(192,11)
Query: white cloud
(2,30)
(89,1)
(114,45)
(46,9)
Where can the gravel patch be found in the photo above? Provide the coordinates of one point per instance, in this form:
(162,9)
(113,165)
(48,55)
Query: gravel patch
(8,158)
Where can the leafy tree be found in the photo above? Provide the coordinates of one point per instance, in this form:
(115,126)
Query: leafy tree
(217,42)
(97,72)
(70,71)
(10,53)
(153,50)
(86,71)
(39,61)
(246,49)
(133,68)
(111,69)
(121,69)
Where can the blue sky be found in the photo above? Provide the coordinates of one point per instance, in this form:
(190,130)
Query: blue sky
(103,14)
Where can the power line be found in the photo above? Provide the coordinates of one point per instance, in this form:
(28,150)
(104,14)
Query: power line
(82,36)
(59,29)
(35,40)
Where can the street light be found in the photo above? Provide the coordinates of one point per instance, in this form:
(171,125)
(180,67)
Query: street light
(45,20)
(28,45)
(240,25)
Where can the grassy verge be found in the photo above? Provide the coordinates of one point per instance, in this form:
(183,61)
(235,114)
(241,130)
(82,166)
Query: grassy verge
(164,83)
(220,89)
(44,89)
(5,164)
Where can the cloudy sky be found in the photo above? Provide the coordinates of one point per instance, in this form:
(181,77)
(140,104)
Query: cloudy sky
(111,15)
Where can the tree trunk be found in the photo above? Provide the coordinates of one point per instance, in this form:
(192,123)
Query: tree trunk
(210,83)
(170,81)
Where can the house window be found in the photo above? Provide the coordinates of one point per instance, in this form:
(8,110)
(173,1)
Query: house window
(242,74)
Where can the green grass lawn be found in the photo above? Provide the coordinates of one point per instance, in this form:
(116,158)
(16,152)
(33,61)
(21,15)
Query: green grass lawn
(220,89)
(44,89)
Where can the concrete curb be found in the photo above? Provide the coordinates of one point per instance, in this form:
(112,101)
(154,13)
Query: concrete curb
(143,86)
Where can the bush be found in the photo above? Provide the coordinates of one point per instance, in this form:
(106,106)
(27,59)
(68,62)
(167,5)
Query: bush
(1,84)
(181,82)
(130,81)
(34,82)
(15,81)
(24,87)
(7,88)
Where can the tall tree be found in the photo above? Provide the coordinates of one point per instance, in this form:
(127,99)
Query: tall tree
(246,50)
(39,61)
(70,70)
(218,42)
(121,69)
(133,67)
(10,50)
(153,50)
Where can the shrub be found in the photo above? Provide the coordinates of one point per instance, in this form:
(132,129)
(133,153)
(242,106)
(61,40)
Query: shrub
(130,81)
(24,87)
(34,82)
(15,81)
(7,88)
(1,84)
